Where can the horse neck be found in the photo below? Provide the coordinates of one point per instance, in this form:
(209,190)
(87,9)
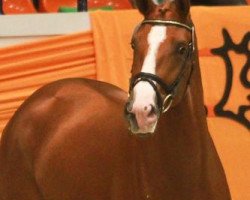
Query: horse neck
(190,112)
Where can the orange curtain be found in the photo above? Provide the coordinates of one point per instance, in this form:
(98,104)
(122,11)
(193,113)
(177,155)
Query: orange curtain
(25,68)
(223,40)
(113,30)
(112,34)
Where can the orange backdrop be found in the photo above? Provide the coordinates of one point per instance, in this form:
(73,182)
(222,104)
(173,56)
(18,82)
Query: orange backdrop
(25,68)
(223,40)
(105,54)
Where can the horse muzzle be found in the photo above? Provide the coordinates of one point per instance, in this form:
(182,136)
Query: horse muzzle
(142,119)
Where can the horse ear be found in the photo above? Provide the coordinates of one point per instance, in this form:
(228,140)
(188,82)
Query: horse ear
(145,6)
(183,6)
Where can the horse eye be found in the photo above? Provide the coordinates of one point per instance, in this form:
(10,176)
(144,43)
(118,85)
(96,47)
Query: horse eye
(182,50)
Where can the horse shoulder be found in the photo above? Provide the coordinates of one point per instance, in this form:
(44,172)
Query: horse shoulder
(68,127)
(85,131)
(63,109)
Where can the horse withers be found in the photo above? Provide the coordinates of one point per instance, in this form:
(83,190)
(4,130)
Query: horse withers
(70,139)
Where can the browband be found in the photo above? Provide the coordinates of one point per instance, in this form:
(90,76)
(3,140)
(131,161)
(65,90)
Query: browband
(167,22)
(174,23)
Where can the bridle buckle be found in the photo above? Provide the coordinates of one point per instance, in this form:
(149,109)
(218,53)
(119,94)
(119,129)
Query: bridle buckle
(168,101)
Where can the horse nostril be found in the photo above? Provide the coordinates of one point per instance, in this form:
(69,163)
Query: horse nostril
(129,107)
(151,110)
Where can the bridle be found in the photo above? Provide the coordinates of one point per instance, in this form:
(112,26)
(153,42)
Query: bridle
(170,90)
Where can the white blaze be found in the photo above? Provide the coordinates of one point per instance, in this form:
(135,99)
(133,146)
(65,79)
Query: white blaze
(156,36)
(144,94)
(155,2)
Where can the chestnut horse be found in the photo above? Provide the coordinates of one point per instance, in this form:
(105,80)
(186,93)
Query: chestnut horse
(70,139)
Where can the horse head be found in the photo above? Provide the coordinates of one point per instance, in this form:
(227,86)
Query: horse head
(163,45)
